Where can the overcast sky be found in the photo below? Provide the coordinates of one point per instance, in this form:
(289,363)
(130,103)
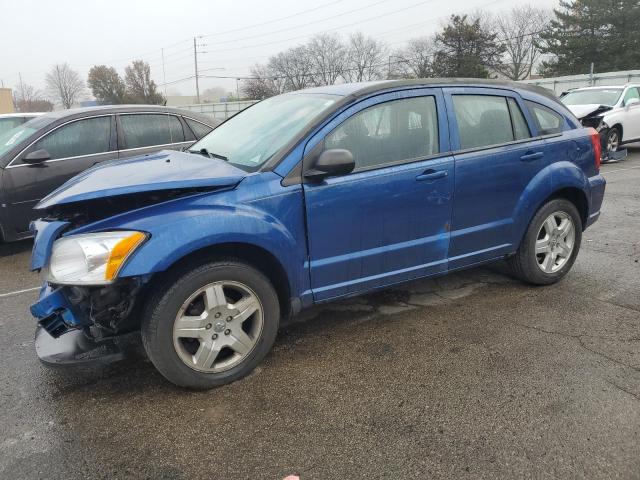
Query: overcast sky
(34,35)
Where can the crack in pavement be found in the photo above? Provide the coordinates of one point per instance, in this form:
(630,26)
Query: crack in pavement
(579,338)
(622,389)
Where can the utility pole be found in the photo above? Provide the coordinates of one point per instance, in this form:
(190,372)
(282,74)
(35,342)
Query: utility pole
(195,61)
(164,74)
(237,89)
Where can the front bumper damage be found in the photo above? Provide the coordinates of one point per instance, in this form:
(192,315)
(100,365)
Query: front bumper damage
(595,120)
(81,327)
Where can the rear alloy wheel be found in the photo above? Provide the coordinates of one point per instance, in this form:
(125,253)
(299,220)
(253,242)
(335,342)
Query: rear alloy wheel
(555,241)
(550,245)
(211,325)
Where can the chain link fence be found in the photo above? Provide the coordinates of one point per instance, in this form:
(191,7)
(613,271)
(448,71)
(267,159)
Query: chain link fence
(222,110)
(562,84)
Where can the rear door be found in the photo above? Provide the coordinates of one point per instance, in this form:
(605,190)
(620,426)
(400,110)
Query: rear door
(73,147)
(496,156)
(142,133)
(388,220)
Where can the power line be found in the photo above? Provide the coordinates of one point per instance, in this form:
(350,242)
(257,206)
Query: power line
(272,21)
(325,30)
(295,27)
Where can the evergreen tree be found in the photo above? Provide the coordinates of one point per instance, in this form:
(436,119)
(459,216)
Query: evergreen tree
(604,32)
(465,49)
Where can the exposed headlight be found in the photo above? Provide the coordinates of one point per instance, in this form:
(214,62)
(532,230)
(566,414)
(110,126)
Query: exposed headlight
(93,258)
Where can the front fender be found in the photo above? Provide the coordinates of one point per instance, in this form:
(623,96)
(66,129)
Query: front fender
(554,177)
(241,224)
(259,212)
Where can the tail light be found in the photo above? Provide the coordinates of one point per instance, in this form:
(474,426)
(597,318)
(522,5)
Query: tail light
(597,147)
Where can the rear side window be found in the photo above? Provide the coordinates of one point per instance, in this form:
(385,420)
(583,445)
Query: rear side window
(520,127)
(147,130)
(546,119)
(199,129)
(83,137)
(483,120)
(389,132)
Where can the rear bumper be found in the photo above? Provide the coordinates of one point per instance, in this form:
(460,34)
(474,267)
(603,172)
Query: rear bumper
(597,186)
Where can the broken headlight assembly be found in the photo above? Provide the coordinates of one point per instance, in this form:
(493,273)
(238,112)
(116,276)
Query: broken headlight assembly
(595,122)
(93,258)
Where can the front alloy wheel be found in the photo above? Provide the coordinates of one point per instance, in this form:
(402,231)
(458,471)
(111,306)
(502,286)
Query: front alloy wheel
(218,326)
(210,325)
(613,140)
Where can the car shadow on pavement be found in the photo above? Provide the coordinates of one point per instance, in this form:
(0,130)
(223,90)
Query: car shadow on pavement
(14,248)
(135,373)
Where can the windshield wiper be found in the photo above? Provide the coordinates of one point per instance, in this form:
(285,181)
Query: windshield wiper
(206,153)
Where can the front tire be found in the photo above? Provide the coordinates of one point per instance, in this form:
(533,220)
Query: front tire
(550,245)
(613,140)
(211,326)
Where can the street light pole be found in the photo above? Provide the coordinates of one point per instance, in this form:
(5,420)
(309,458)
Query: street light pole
(195,61)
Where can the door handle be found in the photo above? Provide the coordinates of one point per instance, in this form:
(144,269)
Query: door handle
(531,156)
(431,175)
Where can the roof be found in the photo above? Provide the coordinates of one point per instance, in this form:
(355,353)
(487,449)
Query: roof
(599,87)
(365,88)
(22,114)
(74,113)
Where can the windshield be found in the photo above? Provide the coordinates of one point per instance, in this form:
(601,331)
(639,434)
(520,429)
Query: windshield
(250,138)
(9,123)
(593,96)
(12,137)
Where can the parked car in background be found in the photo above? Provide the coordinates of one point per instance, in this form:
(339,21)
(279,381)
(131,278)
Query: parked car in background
(38,156)
(613,111)
(306,198)
(9,121)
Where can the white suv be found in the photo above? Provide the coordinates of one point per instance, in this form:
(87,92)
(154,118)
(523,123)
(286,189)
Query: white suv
(613,111)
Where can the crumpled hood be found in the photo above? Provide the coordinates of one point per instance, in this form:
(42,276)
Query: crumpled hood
(581,111)
(165,170)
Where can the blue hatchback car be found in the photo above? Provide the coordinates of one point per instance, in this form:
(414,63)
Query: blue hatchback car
(305,198)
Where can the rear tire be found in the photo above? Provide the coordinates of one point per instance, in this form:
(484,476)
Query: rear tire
(550,245)
(211,326)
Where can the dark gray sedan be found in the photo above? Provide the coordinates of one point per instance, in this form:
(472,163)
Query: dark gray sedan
(41,154)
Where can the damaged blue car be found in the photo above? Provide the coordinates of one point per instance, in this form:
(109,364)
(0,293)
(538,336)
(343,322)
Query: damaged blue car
(305,198)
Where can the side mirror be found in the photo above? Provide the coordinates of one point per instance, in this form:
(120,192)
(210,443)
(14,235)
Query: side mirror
(336,161)
(37,156)
(631,101)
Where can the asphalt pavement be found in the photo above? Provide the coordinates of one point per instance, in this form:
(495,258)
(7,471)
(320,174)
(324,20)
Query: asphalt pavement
(473,375)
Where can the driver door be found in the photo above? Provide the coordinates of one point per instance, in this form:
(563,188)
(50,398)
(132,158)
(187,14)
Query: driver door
(631,115)
(387,221)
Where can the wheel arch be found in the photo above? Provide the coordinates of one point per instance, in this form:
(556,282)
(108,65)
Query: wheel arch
(256,256)
(558,180)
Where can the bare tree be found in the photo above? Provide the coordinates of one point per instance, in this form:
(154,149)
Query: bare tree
(293,67)
(140,87)
(328,55)
(415,60)
(263,84)
(365,57)
(64,85)
(519,30)
(27,99)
